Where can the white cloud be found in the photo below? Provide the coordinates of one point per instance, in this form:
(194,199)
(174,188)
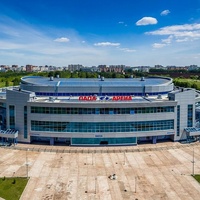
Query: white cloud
(22,43)
(180,33)
(178,30)
(62,39)
(104,44)
(158,45)
(164,12)
(38,46)
(182,40)
(168,40)
(164,42)
(122,23)
(146,21)
(127,50)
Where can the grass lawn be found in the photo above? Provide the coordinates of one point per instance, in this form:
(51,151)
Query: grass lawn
(197,177)
(12,188)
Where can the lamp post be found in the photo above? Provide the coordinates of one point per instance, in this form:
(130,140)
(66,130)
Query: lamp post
(135,184)
(92,158)
(95,185)
(27,163)
(193,162)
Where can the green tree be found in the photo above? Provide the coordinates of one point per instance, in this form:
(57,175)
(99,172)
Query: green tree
(6,83)
(51,73)
(16,81)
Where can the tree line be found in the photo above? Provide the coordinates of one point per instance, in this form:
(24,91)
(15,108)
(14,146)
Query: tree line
(11,78)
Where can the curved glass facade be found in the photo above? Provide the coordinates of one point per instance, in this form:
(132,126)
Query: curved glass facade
(104,141)
(56,110)
(99,93)
(96,127)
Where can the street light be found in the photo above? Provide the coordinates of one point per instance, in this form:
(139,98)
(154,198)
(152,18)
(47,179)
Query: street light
(95,185)
(135,184)
(193,162)
(92,158)
(124,158)
(27,163)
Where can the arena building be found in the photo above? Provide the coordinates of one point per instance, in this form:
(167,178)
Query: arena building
(97,111)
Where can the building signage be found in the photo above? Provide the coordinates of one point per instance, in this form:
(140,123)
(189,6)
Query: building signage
(114,98)
(98,135)
(170,133)
(87,98)
(122,98)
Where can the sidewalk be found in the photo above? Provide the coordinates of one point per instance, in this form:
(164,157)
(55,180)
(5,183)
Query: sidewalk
(101,149)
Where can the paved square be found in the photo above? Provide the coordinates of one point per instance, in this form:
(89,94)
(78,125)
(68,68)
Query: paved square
(161,171)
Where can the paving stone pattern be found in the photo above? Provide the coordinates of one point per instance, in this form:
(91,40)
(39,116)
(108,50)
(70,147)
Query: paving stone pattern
(161,171)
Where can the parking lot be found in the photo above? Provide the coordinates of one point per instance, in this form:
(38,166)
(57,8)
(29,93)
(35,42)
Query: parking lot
(161,171)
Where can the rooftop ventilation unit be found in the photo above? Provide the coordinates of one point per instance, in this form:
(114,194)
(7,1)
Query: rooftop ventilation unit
(51,78)
(142,79)
(51,99)
(159,96)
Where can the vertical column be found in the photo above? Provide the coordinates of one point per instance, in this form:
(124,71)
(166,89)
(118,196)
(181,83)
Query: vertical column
(154,139)
(52,141)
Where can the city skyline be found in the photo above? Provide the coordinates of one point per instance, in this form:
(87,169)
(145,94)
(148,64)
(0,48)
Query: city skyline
(97,32)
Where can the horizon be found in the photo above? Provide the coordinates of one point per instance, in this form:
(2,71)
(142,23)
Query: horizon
(108,66)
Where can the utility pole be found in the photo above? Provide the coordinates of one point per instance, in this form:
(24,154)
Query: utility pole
(135,184)
(193,163)
(27,163)
(95,185)
(92,158)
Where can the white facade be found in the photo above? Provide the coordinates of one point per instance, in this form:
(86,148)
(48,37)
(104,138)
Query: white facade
(119,119)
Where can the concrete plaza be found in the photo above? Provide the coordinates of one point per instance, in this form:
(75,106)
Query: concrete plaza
(161,171)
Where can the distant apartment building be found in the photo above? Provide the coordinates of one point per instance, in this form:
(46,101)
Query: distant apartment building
(117,68)
(141,68)
(103,68)
(193,67)
(19,69)
(75,67)
(4,67)
(112,68)
(159,67)
(94,69)
(29,68)
(177,68)
(52,68)
(14,67)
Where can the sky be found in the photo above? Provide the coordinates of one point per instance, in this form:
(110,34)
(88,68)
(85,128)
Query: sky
(96,32)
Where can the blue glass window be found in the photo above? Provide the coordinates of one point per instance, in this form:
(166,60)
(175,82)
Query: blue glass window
(12,116)
(97,127)
(190,116)
(25,122)
(57,110)
(178,121)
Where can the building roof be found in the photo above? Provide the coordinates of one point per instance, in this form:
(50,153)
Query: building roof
(78,82)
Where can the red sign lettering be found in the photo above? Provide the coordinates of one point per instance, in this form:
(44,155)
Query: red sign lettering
(115,98)
(122,98)
(87,98)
